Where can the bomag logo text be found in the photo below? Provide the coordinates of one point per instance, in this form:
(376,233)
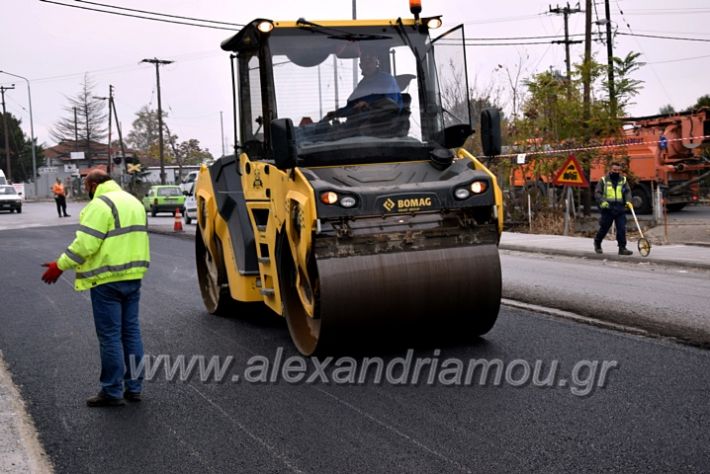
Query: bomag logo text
(407,204)
(413,202)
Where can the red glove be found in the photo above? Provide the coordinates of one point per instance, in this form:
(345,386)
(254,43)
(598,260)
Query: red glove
(52,274)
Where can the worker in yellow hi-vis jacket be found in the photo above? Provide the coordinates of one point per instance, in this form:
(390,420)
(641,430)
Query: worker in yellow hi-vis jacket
(613,195)
(110,255)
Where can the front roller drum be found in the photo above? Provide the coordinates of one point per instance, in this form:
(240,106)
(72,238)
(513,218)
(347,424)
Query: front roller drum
(453,291)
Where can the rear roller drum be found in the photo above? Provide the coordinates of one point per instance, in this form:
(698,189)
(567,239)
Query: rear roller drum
(211,277)
(305,328)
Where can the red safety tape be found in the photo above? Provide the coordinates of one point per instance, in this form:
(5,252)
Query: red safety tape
(595,147)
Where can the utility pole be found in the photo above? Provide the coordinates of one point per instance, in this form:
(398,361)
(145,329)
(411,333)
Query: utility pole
(110,109)
(32,127)
(4,124)
(610,60)
(110,105)
(566,11)
(88,134)
(76,132)
(158,63)
(120,139)
(587,105)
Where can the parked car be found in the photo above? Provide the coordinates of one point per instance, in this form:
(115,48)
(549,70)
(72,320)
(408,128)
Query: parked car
(191,205)
(164,198)
(10,200)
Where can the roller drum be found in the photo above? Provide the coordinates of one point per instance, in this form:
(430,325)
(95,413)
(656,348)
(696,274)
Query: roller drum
(438,290)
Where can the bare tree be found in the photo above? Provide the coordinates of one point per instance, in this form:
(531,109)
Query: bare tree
(86,120)
(514,80)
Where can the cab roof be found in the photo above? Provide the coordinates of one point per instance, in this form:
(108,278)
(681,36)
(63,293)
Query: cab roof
(248,38)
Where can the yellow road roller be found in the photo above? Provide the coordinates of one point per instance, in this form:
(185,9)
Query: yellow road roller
(350,205)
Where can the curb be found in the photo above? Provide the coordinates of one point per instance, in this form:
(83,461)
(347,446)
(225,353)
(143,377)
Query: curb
(612,257)
(180,235)
(21,449)
(528,249)
(697,244)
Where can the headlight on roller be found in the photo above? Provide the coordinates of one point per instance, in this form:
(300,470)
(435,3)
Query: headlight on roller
(329,197)
(478,187)
(461,193)
(348,201)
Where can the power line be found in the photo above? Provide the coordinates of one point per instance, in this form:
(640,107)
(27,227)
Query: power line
(679,60)
(187,57)
(515,38)
(159,14)
(631,33)
(677,38)
(139,16)
(502,19)
(665,11)
(503,44)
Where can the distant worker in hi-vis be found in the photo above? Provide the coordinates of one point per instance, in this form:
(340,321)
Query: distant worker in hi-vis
(613,195)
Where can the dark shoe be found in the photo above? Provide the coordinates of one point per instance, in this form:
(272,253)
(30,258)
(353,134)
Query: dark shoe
(598,247)
(625,251)
(132,396)
(67,215)
(60,215)
(103,400)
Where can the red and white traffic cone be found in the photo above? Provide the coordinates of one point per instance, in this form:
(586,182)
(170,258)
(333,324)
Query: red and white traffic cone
(177,227)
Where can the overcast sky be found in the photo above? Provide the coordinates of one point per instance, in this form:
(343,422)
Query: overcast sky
(54,46)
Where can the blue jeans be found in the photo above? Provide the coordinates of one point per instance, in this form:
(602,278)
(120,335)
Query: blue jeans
(115,308)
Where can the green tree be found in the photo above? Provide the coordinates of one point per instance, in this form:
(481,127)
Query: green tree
(626,87)
(144,136)
(667,109)
(553,117)
(703,101)
(189,152)
(91,120)
(20,151)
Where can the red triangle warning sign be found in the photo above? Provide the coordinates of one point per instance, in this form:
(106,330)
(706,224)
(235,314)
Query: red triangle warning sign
(571,174)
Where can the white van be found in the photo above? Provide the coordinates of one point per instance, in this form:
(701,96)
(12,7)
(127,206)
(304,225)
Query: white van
(191,204)
(187,183)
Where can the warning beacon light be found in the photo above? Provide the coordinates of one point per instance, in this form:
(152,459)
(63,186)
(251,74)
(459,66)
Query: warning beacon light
(415,6)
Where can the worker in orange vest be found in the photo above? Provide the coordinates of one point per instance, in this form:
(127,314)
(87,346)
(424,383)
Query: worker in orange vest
(60,198)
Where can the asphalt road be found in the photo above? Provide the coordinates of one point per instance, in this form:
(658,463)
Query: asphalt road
(652,414)
(666,300)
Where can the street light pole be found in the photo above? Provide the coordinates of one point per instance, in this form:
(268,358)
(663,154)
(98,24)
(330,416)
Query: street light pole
(157,63)
(32,127)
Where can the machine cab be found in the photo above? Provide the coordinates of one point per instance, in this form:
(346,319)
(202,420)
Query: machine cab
(341,92)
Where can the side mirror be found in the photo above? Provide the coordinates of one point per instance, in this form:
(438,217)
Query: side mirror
(283,143)
(455,135)
(490,132)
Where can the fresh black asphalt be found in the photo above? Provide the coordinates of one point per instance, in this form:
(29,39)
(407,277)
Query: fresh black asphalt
(653,414)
